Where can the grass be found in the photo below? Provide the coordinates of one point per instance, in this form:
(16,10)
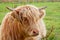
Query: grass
(52,17)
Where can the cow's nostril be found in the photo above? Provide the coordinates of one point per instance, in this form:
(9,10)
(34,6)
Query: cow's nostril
(35,33)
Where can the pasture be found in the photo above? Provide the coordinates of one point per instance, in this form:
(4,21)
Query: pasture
(52,17)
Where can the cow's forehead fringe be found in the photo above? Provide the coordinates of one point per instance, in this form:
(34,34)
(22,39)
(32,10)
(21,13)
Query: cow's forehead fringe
(31,13)
(26,6)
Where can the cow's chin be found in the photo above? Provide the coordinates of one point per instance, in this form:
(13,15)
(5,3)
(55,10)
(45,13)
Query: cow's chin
(33,38)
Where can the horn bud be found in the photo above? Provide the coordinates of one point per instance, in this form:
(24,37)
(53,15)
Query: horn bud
(9,8)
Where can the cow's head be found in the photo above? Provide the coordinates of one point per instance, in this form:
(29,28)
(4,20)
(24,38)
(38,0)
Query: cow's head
(29,18)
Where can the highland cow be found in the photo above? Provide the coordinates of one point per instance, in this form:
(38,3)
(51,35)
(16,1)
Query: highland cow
(23,23)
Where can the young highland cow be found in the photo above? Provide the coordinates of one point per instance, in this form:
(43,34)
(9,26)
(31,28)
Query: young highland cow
(23,23)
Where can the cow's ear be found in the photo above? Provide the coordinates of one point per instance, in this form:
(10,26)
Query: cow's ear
(42,12)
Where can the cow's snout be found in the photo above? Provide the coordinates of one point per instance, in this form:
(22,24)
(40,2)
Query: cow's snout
(35,32)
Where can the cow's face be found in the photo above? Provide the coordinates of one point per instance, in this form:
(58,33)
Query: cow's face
(30,17)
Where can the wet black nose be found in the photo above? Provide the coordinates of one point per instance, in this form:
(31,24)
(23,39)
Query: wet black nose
(35,32)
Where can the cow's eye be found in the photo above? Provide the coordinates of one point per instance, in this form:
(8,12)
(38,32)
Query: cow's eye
(25,19)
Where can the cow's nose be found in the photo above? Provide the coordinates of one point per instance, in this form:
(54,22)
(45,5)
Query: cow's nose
(35,32)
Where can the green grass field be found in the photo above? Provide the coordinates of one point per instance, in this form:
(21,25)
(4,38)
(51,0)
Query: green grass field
(52,17)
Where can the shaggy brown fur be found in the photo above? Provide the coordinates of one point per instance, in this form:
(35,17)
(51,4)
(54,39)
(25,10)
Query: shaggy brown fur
(23,23)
